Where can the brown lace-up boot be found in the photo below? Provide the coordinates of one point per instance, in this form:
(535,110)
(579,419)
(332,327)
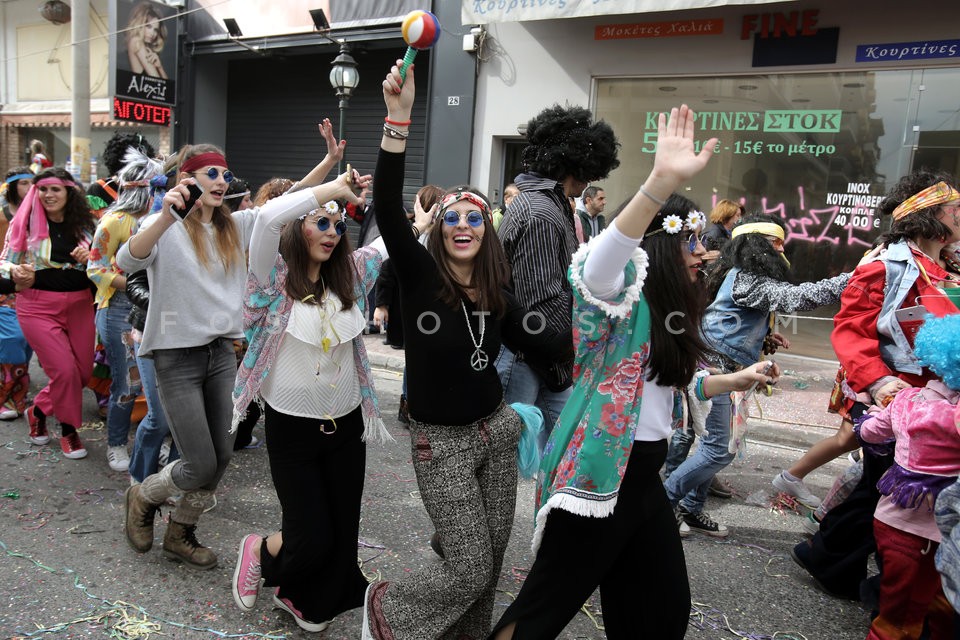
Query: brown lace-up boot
(180,543)
(138,523)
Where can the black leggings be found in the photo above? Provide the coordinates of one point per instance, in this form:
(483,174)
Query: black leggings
(635,556)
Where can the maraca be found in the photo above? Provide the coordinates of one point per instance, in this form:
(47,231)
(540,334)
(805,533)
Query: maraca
(421,30)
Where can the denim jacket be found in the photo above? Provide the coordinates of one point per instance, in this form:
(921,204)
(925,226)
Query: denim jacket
(901,274)
(734,331)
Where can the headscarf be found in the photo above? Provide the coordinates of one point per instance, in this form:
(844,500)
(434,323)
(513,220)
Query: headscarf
(29,227)
(932,196)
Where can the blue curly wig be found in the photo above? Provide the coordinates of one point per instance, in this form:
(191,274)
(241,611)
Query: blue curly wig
(938,347)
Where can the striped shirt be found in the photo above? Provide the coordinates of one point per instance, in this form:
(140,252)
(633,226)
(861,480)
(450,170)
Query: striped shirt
(537,234)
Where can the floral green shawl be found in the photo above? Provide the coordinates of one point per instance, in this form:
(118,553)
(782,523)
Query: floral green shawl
(586,456)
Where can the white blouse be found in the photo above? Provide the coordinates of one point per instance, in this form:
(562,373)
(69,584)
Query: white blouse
(314,374)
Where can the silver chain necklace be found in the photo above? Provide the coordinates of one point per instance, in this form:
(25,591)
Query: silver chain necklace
(479,358)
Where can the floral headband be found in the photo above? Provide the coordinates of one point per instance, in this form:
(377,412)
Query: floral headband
(331,209)
(470,197)
(673,224)
(939,193)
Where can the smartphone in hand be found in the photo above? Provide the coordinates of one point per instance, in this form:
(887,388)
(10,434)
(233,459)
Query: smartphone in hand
(195,192)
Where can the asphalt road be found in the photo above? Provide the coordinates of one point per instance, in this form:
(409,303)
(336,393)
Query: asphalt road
(67,572)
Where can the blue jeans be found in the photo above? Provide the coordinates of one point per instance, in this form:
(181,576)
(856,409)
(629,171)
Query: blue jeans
(196,392)
(688,484)
(521,384)
(111,325)
(153,428)
(680,442)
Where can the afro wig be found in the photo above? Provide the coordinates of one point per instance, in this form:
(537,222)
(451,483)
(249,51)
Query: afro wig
(564,141)
(116,149)
(938,347)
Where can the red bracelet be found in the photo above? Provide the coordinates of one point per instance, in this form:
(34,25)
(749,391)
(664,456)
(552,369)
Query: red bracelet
(397,123)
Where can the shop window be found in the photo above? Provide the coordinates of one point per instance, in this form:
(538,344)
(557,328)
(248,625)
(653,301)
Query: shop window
(818,150)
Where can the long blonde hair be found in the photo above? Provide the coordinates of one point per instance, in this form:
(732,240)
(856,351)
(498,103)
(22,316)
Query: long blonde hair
(143,14)
(227,238)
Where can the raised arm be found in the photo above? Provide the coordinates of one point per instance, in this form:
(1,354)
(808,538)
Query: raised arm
(277,213)
(675,162)
(335,150)
(408,255)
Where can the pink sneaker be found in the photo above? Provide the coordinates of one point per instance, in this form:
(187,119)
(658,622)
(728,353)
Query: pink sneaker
(38,427)
(306,625)
(72,447)
(246,576)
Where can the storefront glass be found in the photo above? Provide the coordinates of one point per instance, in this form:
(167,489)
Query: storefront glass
(819,150)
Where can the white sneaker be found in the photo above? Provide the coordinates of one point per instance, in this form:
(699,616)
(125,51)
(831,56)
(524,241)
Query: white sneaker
(9,414)
(365,629)
(797,489)
(118,458)
(810,525)
(682,526)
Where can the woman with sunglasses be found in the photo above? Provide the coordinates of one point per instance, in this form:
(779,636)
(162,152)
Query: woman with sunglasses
(636,317)
(304,316)
(749,285)
(463,437)
(196,266)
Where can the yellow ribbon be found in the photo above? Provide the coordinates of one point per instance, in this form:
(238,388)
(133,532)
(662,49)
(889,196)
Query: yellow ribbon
(766,228)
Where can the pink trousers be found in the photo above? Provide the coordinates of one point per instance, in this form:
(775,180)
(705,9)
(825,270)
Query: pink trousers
(59,327)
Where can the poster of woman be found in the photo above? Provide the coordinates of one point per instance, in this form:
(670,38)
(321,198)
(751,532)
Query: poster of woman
(146,36)
(146,51)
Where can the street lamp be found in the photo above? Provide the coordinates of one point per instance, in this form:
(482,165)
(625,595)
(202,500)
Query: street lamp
(344,79)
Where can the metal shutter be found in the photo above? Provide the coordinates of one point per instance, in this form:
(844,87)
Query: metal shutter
(275,103)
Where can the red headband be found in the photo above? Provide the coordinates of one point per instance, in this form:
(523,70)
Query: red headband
(203,160)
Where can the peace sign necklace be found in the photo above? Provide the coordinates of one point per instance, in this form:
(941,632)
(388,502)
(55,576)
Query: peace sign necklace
(479,358)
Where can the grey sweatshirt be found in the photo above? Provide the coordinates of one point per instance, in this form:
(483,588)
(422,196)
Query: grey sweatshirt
(192,305)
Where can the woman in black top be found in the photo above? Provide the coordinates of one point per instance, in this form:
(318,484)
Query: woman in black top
(46,256)
(463,438)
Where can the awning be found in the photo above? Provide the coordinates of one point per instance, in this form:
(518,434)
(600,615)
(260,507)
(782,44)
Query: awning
(487,11)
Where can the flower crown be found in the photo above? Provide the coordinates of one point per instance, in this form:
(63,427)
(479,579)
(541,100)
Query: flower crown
(673,224)
(331,209)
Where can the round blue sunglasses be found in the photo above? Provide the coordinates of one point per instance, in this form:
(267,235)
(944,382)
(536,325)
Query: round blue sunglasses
(339,226)
(452,218)
(213,172)
(692,241)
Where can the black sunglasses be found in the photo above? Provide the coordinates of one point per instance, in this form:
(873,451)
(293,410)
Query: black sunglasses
(213,172)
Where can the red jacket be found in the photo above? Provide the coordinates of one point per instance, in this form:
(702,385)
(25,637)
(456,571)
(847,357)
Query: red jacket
(855,337)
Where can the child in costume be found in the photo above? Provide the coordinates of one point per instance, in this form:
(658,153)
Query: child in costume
(920,423)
